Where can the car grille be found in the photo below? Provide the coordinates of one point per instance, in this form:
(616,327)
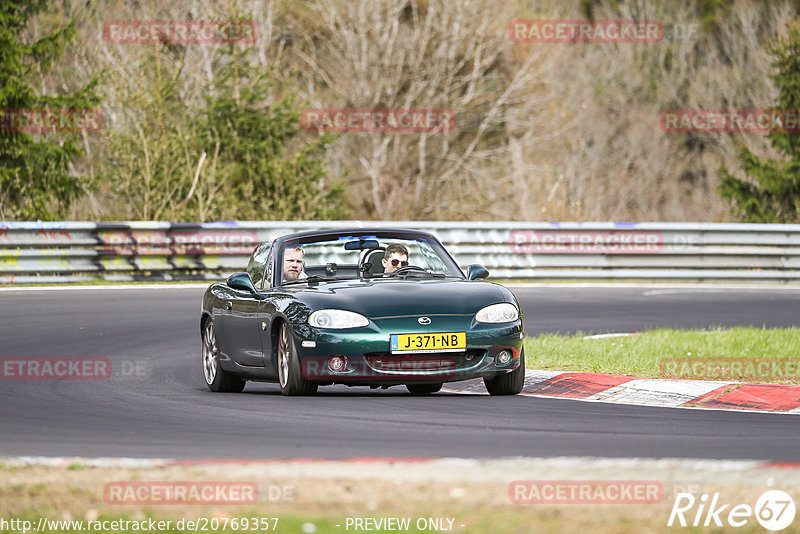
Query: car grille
(434,361)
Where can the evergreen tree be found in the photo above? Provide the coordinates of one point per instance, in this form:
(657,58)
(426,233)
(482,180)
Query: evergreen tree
(272,170)
(149,156)
(35,182)
(239,155)
(773,194)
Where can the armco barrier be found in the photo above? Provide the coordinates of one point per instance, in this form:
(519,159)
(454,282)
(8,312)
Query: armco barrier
(74,251)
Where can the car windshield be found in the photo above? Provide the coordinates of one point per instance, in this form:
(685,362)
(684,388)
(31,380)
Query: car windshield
(365,256)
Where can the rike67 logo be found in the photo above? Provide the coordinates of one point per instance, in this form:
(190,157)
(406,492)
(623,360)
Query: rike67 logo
(774,510)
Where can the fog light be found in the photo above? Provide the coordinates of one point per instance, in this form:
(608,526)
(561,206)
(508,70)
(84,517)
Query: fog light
(337,364)
(504,357)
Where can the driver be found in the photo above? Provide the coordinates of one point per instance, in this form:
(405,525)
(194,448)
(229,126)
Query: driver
(293,263)
(394,257)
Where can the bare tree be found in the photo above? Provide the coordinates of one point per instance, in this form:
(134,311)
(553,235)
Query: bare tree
(543,131)
(621,165)
(452,55)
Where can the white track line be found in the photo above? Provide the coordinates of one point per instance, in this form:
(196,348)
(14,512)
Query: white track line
(109,287)
(644,405)
(654,285)
(709,286)
(658,392)
(654,392)
(618,334)
(458,464)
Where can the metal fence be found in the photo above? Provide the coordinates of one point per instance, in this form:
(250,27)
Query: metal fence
(71,251)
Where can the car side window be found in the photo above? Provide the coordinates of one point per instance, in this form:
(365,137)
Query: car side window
(257,264)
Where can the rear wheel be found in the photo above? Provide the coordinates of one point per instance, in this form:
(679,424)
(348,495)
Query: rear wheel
(289,375)
(217,379)
(423,389)
(509,383)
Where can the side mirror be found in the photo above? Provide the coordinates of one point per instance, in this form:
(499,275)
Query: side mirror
(476,272)
(242,282)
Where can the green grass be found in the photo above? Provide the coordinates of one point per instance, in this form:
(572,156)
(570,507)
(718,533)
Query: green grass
(520,519)
(665,353)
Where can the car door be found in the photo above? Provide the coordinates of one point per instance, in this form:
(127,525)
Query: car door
(242,330)
(240,327)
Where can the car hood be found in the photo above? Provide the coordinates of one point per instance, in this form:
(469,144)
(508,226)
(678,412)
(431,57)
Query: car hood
(392,298)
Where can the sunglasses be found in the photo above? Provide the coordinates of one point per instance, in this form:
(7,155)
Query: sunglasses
(395,262)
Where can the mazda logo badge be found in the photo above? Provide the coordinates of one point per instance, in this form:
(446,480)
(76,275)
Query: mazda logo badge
(424,320)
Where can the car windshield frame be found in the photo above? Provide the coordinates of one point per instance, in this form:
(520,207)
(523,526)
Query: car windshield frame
(453,271)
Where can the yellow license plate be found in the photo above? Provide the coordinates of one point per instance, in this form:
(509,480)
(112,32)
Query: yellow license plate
(433,342)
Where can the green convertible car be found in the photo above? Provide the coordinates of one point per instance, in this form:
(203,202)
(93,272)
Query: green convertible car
(360,307)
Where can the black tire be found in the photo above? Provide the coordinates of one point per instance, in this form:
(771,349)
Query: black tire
(509,383)
(423,389)
(217,379)
(290,376)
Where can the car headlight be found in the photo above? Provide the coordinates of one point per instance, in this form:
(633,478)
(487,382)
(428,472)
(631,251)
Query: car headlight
(498,313)
(337,319)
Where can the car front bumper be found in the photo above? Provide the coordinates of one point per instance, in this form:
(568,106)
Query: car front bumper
(369,360)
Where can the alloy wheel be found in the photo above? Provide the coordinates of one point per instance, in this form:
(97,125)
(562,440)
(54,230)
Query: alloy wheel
(210,352)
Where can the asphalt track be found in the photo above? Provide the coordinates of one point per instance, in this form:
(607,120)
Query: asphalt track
(156,405)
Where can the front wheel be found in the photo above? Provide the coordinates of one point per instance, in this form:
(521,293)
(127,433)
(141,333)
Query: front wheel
(289,376)
(217,379)
(509,383)
(423,389)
